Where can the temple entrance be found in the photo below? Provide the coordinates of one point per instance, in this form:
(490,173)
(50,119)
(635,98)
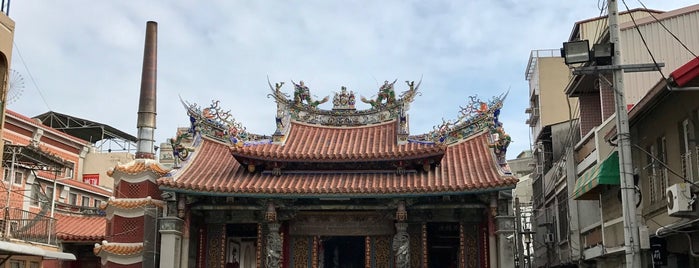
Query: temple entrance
(342,252)
(443,244)
(241,240)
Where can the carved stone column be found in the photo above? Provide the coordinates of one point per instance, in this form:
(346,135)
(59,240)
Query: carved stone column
(401,241)
(273,254)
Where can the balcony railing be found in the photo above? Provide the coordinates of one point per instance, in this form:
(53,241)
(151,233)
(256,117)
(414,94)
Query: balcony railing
(28,226)
(78,210)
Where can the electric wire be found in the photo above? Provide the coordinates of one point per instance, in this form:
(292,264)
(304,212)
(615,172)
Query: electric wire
(668,30)
(645,44)
(31,77)
(599,28)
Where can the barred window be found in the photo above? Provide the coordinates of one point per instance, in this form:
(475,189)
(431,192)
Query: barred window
(563,215)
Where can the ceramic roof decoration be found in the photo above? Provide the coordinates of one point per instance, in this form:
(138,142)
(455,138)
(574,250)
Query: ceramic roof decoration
(344,151)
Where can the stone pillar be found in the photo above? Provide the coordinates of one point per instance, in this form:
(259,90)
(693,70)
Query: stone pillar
(424,245)
(401,241)
(492,239)
(273,254)
(170,241)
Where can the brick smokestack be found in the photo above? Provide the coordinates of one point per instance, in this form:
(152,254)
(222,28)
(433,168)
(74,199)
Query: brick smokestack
(147,100)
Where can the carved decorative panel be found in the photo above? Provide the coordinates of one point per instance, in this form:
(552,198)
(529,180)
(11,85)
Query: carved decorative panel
(341,224)
(215,255)
(300,246)
(471,245)
(382,251)
(415,250)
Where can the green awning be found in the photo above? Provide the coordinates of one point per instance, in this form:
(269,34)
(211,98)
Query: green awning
(605,173)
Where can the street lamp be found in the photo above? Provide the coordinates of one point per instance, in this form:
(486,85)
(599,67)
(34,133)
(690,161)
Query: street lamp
(576,52)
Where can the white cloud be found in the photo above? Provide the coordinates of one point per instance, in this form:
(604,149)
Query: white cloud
(86,56)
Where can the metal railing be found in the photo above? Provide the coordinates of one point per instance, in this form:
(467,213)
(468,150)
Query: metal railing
(28,226)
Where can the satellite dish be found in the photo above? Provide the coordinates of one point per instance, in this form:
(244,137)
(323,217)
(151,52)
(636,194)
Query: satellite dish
(16,87)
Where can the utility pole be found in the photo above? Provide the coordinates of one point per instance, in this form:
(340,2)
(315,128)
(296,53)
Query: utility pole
(518,233)
(631,236)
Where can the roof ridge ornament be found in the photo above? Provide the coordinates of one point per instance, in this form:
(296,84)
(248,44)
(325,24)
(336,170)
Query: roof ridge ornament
(386,93)
(476,116)
(344,100)
(302,93)
(214,122)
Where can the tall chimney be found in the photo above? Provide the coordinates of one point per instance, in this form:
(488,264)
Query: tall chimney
(146,102)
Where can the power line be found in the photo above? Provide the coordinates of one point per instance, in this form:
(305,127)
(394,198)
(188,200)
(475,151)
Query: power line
(643,39)
(31,77)
(666,29)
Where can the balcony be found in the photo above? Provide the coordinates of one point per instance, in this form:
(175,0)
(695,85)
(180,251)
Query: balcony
(27,226)
(533,116)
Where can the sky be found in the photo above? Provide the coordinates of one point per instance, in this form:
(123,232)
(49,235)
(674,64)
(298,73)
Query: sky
(84,58)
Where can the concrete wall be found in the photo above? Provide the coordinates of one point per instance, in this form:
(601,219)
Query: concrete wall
(664,47)
(99,163)
(553,78)
(7,35)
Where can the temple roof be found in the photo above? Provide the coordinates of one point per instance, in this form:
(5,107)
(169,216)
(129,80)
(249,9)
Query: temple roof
(467,166)
(343,151)
(316,143)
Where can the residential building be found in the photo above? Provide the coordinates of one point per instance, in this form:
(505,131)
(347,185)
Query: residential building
(522,167)
(552,116)
(50,199)
(18,237)
(596,162)
(664,127)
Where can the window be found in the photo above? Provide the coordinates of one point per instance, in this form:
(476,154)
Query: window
(73,199)
(662,171)
(86,201)
(69,173)
(35,195)
(563,215)
(687,143)
(17,264)
(7,174)
(19,177)
(97,203)
(49,193)
(650,170)
(34,265)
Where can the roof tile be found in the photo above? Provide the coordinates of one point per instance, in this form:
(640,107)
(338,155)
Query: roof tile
(80,228)
(467,166)
(321,143)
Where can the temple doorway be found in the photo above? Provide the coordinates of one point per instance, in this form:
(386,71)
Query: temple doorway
(241,240)
(342,252)
(443,244)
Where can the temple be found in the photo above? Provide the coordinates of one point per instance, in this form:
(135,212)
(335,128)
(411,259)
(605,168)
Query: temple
(341,187)
(338,187)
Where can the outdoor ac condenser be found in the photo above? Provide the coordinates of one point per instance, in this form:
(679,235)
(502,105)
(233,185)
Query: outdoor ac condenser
(679,199)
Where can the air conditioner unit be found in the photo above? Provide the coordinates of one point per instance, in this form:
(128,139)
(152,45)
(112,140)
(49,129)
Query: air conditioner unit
(550,238)
(679,199)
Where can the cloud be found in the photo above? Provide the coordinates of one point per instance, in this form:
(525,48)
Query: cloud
(88,64)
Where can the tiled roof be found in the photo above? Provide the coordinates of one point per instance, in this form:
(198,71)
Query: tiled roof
(140,165)
(118,248)
(467,166)
(331,144)
(131,203)
(80,228)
